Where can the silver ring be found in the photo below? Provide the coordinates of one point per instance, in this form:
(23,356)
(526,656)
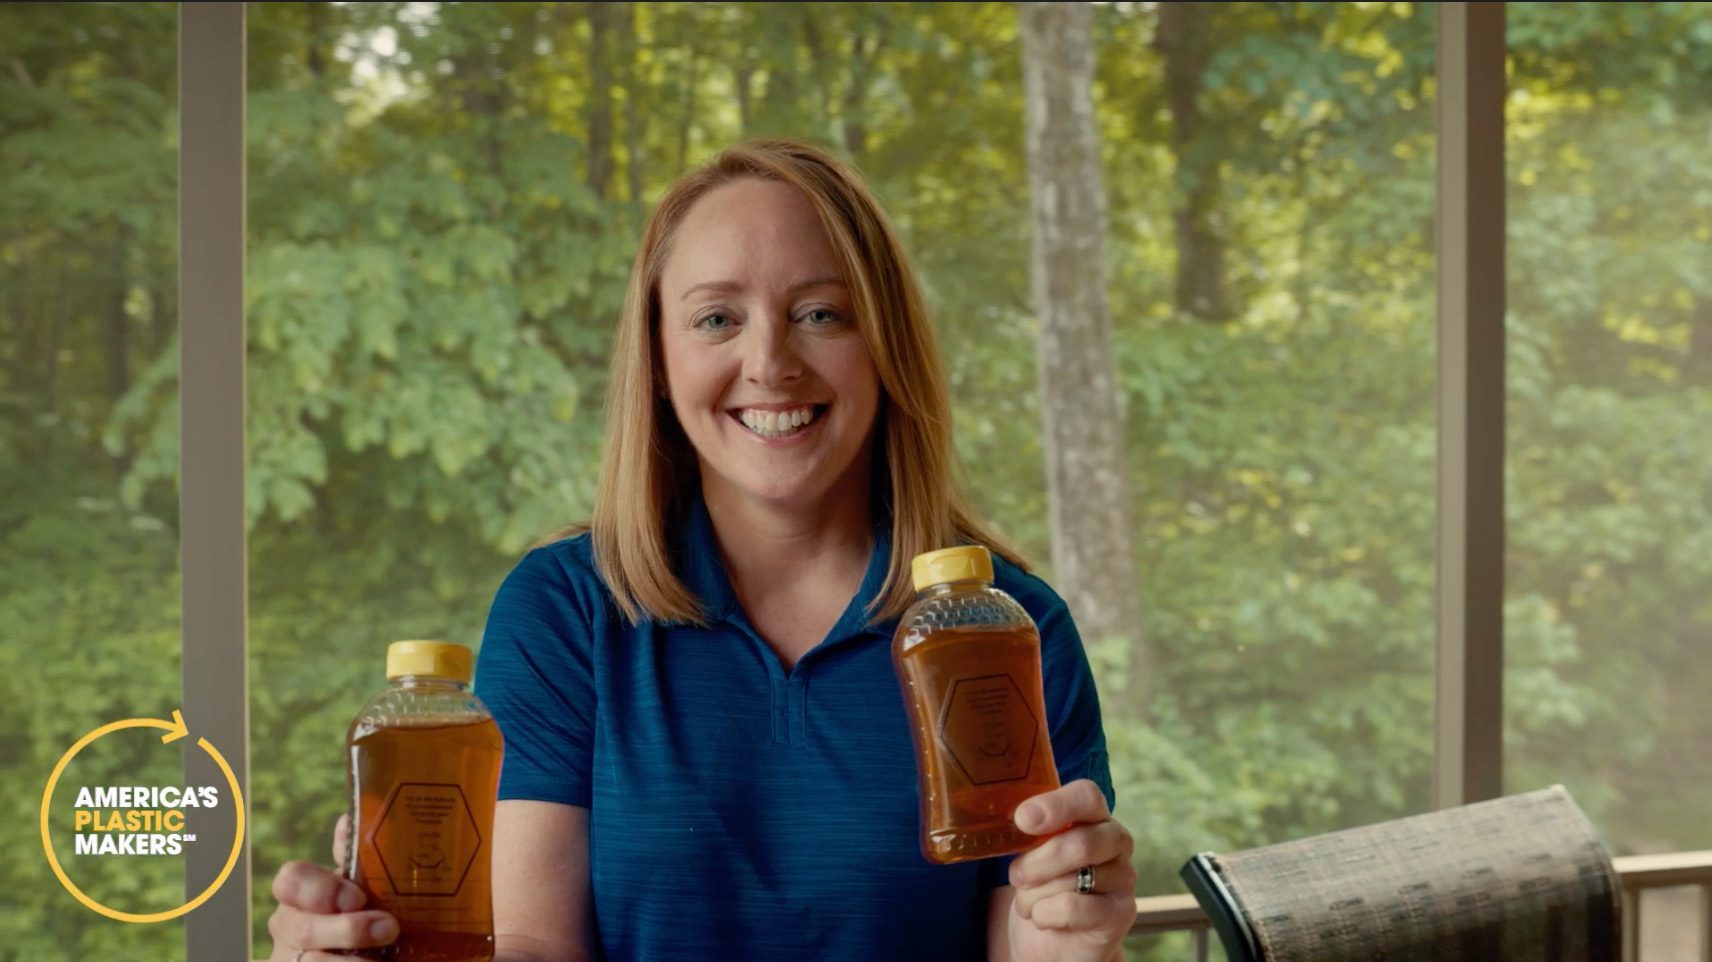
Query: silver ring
(1085,880)
(299,956)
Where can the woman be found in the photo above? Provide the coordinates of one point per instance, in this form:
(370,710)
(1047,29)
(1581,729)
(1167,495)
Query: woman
(706,753)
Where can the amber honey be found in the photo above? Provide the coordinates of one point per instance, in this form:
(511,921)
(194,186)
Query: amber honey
(424,760)
(968,661)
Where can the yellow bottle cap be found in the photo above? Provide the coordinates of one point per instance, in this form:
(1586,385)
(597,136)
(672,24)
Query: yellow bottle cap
(969,562)
(433,659)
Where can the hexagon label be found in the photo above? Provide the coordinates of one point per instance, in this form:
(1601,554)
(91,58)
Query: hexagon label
(988,729)
(426,838)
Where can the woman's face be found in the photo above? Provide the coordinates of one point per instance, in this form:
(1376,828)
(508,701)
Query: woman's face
(763,361)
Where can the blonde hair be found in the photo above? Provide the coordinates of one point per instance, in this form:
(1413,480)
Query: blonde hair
(646,475)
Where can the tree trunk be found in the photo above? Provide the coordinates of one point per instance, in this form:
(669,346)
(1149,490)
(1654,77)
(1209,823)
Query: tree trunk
(1183,38)
(483,96)
(742,73)
(315,39)
(1092,519)
(64,307)
(118,325)
(635,135)
(1700,337)
(599,100)
(20,301)
(865,50)
(688,120)
(816,58)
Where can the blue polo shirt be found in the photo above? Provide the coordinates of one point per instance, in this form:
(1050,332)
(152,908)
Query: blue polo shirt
(736,810)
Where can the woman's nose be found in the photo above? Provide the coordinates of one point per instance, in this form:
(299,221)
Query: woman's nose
(771,356)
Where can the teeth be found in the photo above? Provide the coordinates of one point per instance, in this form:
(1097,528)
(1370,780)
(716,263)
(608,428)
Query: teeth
(774,424)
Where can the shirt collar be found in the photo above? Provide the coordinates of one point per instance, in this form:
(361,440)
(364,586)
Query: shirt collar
(704,573)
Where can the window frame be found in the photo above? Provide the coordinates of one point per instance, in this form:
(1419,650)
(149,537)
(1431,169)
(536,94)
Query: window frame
(213,548)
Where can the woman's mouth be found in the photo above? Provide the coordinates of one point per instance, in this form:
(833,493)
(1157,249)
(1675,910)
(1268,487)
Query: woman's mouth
(778,424)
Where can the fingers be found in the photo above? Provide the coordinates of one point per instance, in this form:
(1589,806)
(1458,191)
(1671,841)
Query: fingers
(1068,851)
(285,953)
(342,841)
(318,910)
(1080,802)
(1114,876)
(311,888)
(294,929)
(1110,913)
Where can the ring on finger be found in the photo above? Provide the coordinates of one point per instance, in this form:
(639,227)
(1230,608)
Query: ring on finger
(299,956)
(1085,880)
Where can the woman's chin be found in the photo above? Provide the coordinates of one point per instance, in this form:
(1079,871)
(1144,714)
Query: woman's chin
(784,480)
(775,491)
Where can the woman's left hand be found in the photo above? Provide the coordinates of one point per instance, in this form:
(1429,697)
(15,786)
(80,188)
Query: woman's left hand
(1049,918)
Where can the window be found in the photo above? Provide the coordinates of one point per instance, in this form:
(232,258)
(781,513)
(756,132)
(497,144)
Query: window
(442,203)
(1610,393)
(89,589)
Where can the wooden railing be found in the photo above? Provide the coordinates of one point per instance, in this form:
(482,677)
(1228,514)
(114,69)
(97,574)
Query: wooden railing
(1641,872)
(1636,873)
(1160,914)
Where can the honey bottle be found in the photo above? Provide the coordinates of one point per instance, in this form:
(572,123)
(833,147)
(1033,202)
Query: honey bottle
(968,660)
(423,771)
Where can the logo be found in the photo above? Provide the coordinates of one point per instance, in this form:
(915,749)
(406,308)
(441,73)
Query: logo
(126,820)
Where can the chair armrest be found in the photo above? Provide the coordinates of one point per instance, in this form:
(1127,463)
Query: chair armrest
(1201,875)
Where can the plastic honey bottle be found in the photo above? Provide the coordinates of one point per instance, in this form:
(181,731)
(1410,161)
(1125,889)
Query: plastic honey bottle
(968,659)
(423,771)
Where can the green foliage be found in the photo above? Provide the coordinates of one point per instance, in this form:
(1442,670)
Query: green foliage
(90,631)
(433,278)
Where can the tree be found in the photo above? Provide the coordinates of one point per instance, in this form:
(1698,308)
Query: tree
(1087,471)
(1186,40)
(600,22)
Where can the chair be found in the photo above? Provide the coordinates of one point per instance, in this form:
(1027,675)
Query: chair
(1518,879)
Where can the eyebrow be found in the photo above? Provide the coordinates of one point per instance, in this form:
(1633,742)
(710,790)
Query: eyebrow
(729,286)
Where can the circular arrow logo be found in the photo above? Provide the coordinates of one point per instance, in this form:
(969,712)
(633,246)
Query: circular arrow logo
(175,730)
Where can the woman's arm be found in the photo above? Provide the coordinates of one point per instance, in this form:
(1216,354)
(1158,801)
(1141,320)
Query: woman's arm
(535,673)
(541,901)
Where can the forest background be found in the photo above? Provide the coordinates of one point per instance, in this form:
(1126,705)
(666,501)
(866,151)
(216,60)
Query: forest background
(443,202)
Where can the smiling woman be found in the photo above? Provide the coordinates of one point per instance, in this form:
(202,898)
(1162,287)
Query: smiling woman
(701,678)
(767,373)
(769,282)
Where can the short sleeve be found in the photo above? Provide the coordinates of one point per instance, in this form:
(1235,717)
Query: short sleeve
(535,674)
(1073,717)
(1073,703)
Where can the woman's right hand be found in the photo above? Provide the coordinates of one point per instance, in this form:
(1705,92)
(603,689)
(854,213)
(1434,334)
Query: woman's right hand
(319,910)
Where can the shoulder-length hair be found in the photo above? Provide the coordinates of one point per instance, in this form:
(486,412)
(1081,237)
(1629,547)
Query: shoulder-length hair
(649,469)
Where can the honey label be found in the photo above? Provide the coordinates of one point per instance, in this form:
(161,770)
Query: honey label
(988,730)
(426,838)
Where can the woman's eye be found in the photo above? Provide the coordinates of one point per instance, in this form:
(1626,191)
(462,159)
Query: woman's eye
(714,322)
(821,317)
